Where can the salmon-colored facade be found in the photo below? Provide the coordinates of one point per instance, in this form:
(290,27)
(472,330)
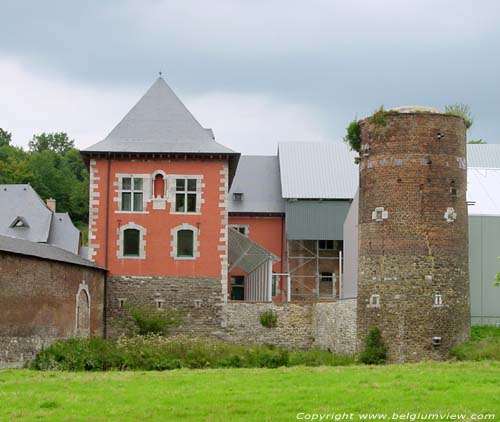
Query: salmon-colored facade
(209,221)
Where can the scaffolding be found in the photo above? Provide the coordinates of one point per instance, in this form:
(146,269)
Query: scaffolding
(315,269)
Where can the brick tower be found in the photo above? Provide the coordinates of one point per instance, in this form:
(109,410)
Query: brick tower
(413,281)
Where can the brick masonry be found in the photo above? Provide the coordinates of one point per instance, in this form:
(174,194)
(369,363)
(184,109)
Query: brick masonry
(38,299)
(412,247)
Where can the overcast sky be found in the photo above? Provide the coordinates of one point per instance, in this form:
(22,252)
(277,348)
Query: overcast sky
(256,71)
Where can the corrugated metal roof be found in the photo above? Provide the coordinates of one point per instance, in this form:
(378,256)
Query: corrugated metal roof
(42,250)
(316,220)
(314,170)
(23,201)
(483,155)
(246,254)
(160,123)
(258,179)
(483,191)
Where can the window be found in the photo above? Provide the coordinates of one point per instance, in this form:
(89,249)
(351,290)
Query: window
(237,287)
(238,196)
(326,244)
(185,243)
(243,229)
(159,186)
(327,277)
(185,195)
(132,194)
(375,301)
(131,242)
(438,299)
(326,285)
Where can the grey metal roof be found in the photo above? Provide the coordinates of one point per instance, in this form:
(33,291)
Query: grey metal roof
(258,178)
(63,233)
(246,254)
(22,201)
(317,170)
(483,155)
(160,123)
(312,220)
(42,250)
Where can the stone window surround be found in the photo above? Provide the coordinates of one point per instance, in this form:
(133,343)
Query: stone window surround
(374,301)
(146,191)
(82,287)
(246,227)
(172,192)
(165,181)
(142,241)
(196,242)
(438,300)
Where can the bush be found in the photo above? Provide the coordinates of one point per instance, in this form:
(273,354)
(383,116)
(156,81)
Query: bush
(269,319)
(154,321)
(160,353)
(375,352)
(483,345)
(353,136)
(460,110)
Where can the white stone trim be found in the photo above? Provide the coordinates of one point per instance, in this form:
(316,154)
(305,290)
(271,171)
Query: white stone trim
(171,191)
(223,239)
(82,287)
(196,242)
(142,241)
(165,183)
(146,191)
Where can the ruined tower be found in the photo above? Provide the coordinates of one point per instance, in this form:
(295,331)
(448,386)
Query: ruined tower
(413,281)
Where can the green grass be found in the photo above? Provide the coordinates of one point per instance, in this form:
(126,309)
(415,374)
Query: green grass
(483,345)
(250,394)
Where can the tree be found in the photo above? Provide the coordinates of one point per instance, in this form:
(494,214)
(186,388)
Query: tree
(58,142)
(497,279)
(5,138)
(478,141)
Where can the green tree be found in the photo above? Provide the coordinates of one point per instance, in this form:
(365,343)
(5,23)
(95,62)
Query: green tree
(58,142)
(478,141)
(5,138)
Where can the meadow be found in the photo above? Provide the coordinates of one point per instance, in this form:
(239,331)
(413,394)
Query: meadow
(471,389)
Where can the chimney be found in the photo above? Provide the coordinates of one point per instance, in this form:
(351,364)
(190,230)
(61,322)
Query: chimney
(51,204)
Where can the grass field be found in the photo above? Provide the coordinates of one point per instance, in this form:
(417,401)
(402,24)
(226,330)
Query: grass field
(252,394)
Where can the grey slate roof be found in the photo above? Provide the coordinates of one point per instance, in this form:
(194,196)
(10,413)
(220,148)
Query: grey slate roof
(63,233)
(483,155)
(159,123)
(23,201)
(42,250)
(258,178)
(317,170)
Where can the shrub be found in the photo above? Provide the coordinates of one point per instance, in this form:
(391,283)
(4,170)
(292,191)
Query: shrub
(375,352)
(460,110)
(353,136)
(155,352)
(154,321)
(269,318)
(378,118)
(483,345)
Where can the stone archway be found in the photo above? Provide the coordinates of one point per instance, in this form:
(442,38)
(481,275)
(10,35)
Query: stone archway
(83,311)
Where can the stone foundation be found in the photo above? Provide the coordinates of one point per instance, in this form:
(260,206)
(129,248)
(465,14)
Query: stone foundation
(16,351)
(199,301)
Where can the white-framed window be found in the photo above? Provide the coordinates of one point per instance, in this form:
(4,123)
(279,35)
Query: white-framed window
(185,243)
(186,195)
(438,299)
(374,301)
(132,194)
(131,243)
(242,228)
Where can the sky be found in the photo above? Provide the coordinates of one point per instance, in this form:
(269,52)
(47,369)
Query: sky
(257,72)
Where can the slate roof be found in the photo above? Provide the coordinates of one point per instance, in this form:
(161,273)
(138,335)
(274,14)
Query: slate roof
(42,250)
(39,223)
(63,232)
(258,178)
(317,170)
(23,201)
(159,123)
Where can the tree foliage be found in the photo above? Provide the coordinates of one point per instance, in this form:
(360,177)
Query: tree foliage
(52,166)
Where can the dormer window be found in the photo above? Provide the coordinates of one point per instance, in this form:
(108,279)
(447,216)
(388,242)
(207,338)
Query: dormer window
(238,196)
(18,223)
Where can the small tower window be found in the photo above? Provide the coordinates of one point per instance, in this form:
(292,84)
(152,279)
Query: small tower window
(238,196)
(438,299)
(374,301)
(131,242)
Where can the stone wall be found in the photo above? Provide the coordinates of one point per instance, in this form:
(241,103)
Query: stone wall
(38,302)
(335,326)
(198,299)
(294,330)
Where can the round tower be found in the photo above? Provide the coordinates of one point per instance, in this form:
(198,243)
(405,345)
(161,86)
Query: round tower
(413,281)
